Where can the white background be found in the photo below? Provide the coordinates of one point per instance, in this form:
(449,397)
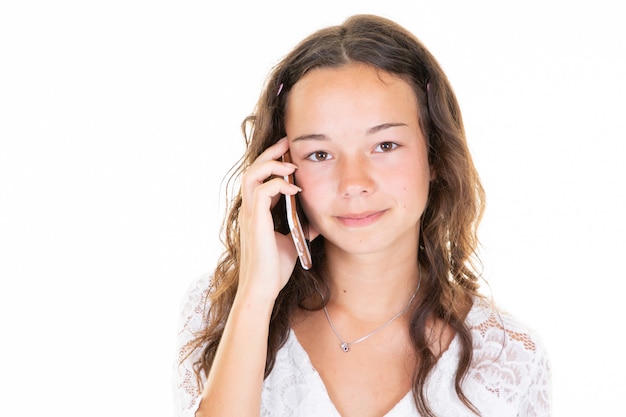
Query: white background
(119,119)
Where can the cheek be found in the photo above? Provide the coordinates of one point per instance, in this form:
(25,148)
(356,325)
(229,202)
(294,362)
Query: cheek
(311,199)
(315,185)
(411,188)
(315,193)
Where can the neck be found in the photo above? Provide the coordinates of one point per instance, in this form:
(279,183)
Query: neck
(369,286)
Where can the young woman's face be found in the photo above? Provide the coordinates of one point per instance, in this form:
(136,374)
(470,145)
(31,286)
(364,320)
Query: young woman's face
(362,161)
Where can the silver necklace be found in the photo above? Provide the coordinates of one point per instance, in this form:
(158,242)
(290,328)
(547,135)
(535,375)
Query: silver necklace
(345,346)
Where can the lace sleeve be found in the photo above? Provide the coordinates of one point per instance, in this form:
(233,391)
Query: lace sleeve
(510,362)
(191,321)
(537,401)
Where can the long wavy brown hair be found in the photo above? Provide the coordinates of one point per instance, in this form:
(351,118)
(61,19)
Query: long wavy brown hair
(448,240)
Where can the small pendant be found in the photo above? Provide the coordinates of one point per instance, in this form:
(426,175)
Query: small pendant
(345,347)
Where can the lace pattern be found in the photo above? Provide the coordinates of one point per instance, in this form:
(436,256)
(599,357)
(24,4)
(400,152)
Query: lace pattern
(510,373)
(191,321)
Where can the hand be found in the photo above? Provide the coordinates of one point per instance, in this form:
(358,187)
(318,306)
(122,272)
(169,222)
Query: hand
(267,257)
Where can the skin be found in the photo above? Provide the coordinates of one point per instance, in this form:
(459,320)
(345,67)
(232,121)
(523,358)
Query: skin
(362,162)
(361,166)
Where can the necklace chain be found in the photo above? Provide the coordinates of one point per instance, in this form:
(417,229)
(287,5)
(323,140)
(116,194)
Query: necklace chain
(345,346)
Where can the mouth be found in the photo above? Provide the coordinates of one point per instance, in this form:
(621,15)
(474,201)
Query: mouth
(360,219)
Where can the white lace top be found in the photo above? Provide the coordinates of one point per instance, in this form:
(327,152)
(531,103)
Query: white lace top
(510,373)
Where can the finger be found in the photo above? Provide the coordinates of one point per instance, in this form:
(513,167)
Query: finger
(258,175)
(261,171)
(275,151)
(262,196)
(275,201)
(267,164)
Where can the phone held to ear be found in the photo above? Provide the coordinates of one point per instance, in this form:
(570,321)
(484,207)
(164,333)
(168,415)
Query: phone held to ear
(295,227)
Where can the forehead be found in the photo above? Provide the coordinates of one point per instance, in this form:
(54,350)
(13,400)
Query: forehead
(352,90)
(353,75)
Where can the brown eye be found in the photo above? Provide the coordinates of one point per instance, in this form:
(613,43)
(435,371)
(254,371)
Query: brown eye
(319,156)
(386,147)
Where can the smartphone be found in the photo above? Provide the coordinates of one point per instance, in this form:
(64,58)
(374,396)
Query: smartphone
(295,227)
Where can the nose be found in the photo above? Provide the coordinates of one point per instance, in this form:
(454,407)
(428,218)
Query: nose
(355,177)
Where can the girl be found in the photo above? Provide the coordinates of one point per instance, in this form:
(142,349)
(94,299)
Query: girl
(388,320)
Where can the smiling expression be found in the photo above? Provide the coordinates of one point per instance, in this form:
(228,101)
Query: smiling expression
(355,134)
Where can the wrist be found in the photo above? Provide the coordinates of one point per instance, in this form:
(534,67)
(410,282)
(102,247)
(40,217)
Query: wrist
(252,303)
(257,291)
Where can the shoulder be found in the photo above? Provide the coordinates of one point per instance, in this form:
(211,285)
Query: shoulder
(192,319)
(509,358)
(492,324)
(493,327)
(194,300)
(193,307)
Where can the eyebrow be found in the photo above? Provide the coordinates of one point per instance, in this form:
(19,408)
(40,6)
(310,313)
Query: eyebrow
(370,131)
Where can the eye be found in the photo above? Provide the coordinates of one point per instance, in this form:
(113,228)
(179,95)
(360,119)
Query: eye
(319,156)
(385,147)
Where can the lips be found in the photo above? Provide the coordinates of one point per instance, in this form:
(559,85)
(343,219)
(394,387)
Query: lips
(360,219)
